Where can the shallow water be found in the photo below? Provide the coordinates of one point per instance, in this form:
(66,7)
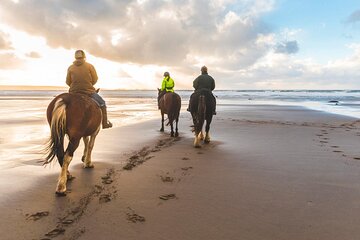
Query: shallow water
(24,129)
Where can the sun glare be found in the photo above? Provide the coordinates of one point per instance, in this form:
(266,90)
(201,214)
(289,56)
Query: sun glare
(41,65)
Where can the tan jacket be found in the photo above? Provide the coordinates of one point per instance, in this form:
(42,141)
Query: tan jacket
(81,77)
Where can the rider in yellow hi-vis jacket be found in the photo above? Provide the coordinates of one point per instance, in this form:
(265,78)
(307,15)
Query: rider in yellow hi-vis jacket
(167,85)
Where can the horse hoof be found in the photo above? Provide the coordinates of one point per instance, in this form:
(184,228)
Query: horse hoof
(206,141)
(83,158)
(172,135)
(161,130)
(89,166)
(60,194)
(176,134)
(70,177)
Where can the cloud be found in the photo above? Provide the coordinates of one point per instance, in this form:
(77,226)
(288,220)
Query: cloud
(33,55)
(354,17)
(172,33)
(5,43)
(287,47)
(9,61)
(179,36)
(285,71)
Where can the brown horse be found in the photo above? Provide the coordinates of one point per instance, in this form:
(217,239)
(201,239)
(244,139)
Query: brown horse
(77,116)
(170,104)
(202,107)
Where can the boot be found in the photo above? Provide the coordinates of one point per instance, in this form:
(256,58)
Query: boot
(105,122)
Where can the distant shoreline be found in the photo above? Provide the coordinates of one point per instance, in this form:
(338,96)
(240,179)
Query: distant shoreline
(29,87)
(24,87)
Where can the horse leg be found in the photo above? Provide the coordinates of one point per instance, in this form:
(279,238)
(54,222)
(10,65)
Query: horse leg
(172,129)
(86,143)
(201,135)
(87,162)
(197,140)
(69,153)
(176,127)
(162,122)
(207,129)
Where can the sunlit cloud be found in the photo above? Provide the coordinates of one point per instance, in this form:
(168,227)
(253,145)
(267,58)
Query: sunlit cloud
(10,61)
(131,44)
(33,55)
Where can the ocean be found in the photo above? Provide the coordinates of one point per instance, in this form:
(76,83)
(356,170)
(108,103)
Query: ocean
(23,113)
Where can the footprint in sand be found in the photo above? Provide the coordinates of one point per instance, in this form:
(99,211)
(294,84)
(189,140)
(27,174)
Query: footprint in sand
(37,216)
(104,198)
(133,217)
(337,151)
(357,158)
(67,222)
(167,179)
(98,189)
(106,179)
(185,158)
(56,232)
(186,168)
(156,149)
(167,196)
(334,146)
(323,141)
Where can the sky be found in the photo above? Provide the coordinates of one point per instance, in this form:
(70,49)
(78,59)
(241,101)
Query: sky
(246,44)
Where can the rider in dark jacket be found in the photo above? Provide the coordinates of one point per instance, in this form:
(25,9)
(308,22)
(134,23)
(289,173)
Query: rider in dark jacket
(204,81)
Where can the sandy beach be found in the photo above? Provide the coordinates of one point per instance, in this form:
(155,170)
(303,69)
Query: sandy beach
(270,172)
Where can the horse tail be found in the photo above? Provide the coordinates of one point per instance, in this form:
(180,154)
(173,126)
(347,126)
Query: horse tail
(174,109)
(200,114)
(202,108)
(55,144)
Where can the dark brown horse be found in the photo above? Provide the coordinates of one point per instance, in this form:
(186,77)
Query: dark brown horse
(77,116)
(170,104)
(202,108)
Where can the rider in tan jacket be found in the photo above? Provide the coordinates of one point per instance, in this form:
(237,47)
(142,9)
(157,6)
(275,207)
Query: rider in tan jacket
(81,78)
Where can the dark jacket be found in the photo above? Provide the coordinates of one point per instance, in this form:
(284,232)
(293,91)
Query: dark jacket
(204,81)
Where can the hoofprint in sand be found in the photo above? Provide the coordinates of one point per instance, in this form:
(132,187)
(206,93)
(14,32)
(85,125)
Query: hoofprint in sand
(269,172)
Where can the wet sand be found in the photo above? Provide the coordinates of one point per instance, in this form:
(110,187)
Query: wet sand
(270,172)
